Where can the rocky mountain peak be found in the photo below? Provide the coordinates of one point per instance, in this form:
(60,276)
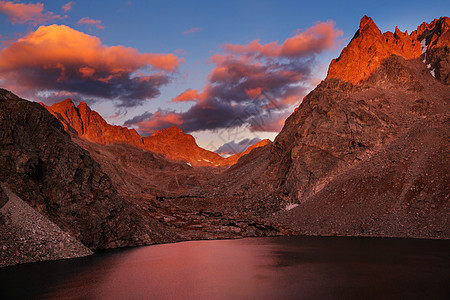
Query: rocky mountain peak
(436,30)
(435,40)
(368,26)
(398,34)
(171,142)
(67,103)
(367,50)
(68,114)
(84,107)
(171,131)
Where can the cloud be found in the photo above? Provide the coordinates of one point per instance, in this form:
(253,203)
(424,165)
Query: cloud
(252,85)
(92,22)
(192,30)
(68,6)
(58,58)
(314,40)
(188,95)
(232,147)
(148,122)
(21,13)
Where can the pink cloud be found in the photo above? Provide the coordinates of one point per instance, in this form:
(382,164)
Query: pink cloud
(68,6)
(192,30)
(21,13)
(180,51)
(92,22)
(314,40)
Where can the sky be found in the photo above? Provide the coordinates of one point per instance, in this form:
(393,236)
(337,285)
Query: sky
(227,72)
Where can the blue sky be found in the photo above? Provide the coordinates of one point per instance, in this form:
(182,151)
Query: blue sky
(160,26)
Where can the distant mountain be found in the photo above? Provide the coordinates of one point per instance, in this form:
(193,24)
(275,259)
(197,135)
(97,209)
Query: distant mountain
(171,142)
(234,158)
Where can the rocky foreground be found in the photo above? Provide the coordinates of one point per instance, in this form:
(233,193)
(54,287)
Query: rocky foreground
(28,236)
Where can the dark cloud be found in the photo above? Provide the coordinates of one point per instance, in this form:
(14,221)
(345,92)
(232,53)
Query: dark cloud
(57,58)
(252,85)
(247,94)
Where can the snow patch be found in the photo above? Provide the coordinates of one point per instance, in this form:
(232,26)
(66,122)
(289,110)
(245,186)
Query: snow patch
(291,206)
(432,73)
(424,50)
(189,164)
(424,45)
(207,160)
(429,66)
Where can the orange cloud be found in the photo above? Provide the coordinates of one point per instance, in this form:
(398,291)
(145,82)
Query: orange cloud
(192,30)
(188,95)
(21,13)
(148,123)
(68,6)
(253,93)
(89,21)
(58,57)
(86,71)
(314,40)
(50,45)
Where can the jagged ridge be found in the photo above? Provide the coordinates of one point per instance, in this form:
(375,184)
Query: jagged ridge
(171,142)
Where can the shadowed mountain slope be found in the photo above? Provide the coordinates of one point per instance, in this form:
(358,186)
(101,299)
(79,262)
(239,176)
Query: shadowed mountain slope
(59,179)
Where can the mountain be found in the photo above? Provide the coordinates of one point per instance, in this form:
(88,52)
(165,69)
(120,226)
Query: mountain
(177,145)
(368,49)
(90,125)
(171,142)
(64,196)
(60,180)
(345,162)
(233,159)
(365,154)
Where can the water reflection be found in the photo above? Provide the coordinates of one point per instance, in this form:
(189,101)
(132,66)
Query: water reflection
(259,268)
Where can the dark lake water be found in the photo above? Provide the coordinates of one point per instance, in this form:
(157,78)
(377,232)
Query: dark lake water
(254,268)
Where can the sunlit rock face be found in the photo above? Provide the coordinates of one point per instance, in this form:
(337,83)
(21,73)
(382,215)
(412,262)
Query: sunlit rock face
(435,40)
(171,142)
(369,47)
(373,91)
